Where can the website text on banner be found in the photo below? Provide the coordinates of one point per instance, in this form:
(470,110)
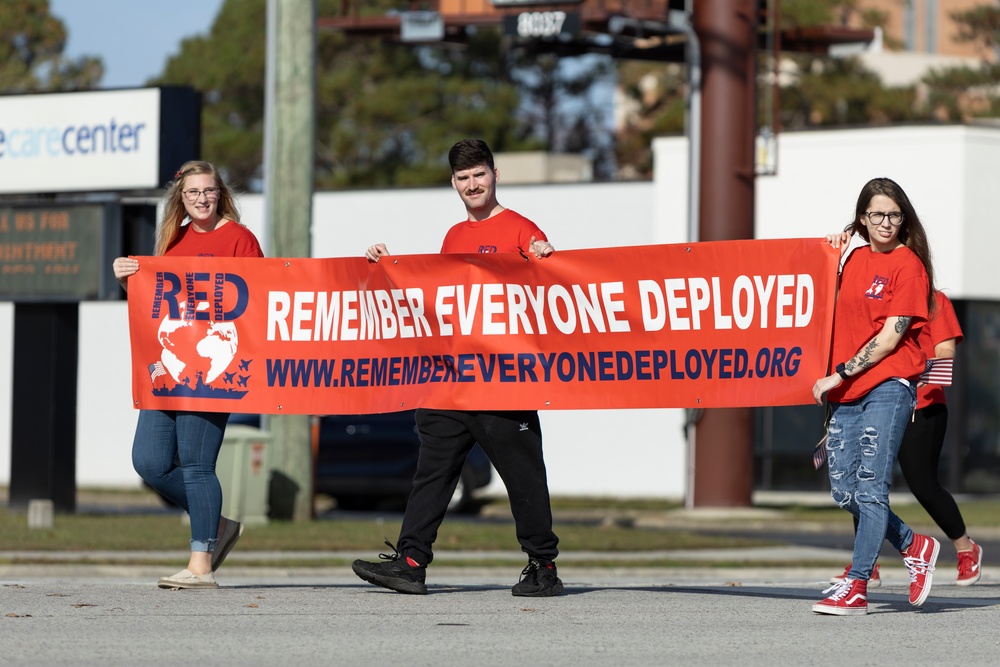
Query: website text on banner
(722,324)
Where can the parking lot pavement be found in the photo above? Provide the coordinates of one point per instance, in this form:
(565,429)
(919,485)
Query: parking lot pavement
(621,616)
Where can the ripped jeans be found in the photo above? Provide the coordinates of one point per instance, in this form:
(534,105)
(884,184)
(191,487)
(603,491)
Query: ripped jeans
(864,438)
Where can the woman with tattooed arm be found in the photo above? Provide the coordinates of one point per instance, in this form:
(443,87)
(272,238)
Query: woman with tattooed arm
(885,296)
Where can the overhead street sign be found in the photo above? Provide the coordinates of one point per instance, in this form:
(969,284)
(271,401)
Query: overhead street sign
(515,3)
(541,24)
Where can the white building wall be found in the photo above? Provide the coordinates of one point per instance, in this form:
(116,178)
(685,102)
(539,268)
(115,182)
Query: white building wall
(976,233)
(105,420)
(949,172)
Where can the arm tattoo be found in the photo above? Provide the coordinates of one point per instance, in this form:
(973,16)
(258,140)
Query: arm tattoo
(863,359)
(902,324)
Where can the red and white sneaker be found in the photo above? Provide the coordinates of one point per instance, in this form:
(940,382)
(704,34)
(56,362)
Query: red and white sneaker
(848,597)
(873,582)
(970,565)
(919,559)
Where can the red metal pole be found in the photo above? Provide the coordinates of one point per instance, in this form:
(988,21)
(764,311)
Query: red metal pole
(727,29)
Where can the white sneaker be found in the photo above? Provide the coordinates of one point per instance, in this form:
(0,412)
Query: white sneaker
(185,579)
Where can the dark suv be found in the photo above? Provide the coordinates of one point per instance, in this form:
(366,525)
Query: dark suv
(368,461)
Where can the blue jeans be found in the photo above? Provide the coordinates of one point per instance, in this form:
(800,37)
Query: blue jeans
(175,452)
(861,449)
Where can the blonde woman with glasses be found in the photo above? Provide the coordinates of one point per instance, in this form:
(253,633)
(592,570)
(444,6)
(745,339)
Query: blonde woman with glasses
(175,452)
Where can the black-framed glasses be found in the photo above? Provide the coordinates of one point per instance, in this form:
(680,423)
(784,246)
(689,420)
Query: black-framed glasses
(878,217)
(195,195)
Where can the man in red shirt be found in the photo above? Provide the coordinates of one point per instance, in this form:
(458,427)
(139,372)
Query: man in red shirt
(512,439)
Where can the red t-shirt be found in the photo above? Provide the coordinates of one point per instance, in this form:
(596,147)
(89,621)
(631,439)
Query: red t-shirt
(506,231)
(873,287)
(229,240)
(942,326)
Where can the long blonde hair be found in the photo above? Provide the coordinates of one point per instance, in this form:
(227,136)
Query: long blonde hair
(174,212)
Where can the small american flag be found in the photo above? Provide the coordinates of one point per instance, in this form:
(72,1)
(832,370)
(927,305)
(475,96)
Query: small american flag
(938,371)
(156,370)
(819,453)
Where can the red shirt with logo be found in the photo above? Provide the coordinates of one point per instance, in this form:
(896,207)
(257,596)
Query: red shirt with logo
(942,326)
(229,240)
(507,231)
(873,287)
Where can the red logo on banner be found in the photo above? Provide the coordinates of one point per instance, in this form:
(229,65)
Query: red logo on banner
(198,355)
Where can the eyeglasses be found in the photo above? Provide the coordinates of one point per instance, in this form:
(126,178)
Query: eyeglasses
(195,195)
(877,217)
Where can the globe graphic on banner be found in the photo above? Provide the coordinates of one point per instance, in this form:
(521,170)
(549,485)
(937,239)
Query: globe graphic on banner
(196,352)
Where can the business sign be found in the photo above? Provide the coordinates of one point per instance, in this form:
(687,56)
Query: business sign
(116,140)
(57,253)
(724,324)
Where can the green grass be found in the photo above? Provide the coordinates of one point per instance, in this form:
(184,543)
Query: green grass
(591,524)
(131,532)
(598,503)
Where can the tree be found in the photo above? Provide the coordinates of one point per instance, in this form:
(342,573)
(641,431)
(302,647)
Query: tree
(979,25)
(31,47)
(961,93)
(840,91)
(227,67)
(389,113)
(823,91)
(808,13)
(386,113)
(651,104)
(558,106)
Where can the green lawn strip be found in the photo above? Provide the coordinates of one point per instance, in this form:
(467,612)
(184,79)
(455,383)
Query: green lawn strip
(166,532)
(601,503)
(125,532)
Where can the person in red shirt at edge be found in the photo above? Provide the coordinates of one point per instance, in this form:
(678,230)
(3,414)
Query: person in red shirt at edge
(920,452)
(511,439)
(886,291)
(193,439)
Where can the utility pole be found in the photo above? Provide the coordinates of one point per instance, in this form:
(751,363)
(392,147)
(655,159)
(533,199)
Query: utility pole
(727,29)
(289,138)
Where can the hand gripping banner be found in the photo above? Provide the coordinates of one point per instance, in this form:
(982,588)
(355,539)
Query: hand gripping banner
(714,324)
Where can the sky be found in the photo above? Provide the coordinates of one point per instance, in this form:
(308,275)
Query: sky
(134,38)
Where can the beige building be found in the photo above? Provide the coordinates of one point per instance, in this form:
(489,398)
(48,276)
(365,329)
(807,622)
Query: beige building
(926,26)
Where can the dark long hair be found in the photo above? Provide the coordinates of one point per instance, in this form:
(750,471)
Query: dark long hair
(911,232)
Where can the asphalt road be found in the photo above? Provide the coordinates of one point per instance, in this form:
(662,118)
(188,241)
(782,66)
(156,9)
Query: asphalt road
(114,615)
(65,612)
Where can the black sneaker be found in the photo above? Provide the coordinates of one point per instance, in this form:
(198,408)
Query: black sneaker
(538,580)
(397,573)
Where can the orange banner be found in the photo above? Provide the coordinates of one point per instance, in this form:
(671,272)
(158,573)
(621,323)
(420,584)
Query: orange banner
(722,324)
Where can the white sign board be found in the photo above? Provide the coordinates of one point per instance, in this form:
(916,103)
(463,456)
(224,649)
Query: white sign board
(86,141)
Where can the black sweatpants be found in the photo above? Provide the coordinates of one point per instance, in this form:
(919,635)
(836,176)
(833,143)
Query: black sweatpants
(513,442)
(918,458)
